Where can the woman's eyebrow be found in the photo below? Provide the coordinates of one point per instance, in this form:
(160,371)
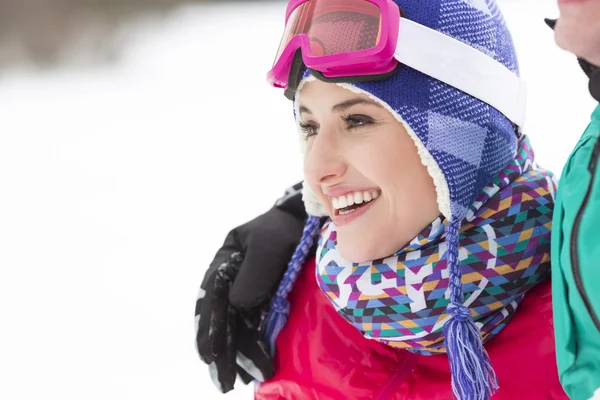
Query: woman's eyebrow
(352,102)
(303,109)
(343,105)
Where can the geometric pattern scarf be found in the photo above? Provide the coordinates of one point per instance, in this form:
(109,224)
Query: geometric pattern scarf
(504,251)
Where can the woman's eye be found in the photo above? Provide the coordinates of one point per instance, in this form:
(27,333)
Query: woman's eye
(356,121)
(308,130)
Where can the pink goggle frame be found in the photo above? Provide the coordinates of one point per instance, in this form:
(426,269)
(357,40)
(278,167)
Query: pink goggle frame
(350,39)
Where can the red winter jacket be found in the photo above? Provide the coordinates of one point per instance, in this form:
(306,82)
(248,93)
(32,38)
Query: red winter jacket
(321,356)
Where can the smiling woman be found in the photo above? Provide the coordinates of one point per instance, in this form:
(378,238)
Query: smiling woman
(355,146)
(430,215)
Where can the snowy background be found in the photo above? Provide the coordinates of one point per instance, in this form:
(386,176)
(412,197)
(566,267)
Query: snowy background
(119,181)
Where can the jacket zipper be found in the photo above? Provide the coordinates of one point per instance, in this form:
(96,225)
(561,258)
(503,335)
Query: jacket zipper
(592,167)
(405,368)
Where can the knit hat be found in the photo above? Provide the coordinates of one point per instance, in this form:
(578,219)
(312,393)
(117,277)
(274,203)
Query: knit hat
(462,141)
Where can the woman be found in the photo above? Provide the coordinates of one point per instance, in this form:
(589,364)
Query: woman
(436,238)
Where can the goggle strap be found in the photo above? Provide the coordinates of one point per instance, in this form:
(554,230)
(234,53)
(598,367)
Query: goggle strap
(295,75)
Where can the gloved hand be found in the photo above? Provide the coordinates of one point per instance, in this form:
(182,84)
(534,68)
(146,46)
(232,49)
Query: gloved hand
(236,290)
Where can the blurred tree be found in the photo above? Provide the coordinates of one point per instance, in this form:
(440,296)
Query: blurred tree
(44,32)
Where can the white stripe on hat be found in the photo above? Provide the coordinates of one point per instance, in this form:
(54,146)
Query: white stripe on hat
(464,67)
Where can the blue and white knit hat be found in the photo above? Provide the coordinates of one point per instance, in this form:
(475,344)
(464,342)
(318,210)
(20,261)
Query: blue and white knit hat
(464,143)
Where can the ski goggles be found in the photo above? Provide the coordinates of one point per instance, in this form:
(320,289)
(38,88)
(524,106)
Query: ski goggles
(365,40)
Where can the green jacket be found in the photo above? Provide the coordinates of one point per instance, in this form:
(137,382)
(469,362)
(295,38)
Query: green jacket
(576,267)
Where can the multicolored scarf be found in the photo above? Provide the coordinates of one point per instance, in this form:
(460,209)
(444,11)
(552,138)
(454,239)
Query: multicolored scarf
(504,251)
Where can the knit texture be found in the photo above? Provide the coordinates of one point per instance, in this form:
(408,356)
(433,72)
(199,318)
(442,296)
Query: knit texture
(504,246)
(463,141)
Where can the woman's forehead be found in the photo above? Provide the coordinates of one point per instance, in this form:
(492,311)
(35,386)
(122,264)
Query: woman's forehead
(319,92)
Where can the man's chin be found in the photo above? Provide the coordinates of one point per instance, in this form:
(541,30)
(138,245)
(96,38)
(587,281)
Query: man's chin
(584,43)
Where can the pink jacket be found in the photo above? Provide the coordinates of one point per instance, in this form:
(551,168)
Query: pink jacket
(321,356)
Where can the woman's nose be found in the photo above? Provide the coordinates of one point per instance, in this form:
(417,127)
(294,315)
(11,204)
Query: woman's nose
(324,162)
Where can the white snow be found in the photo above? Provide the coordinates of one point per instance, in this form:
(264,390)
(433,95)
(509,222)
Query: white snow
(118,184)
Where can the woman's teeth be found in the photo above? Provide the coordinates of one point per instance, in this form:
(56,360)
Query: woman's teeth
(356,198)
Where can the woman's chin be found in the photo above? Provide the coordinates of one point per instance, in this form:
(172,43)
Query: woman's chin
(358,251)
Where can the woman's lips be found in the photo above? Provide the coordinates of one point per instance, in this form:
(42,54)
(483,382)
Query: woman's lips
(341,220)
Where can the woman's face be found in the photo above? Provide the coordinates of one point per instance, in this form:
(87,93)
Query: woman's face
(365,170)
(578,28)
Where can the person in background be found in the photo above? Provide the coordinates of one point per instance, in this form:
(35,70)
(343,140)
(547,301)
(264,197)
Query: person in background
(575,233)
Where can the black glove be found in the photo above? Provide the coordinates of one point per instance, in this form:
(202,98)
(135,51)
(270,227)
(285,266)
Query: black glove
(236,290)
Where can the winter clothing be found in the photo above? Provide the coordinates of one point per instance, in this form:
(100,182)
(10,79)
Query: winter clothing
(575,261)
(505,251)
(322,357)
(237,287)
(433,112)
(464,143)
(316,348)
(575,254)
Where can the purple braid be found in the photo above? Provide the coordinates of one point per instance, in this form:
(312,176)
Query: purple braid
(280,306)
(473,377)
